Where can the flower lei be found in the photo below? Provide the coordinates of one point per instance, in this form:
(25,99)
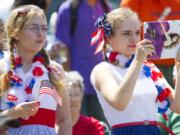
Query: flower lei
(151,71)
(16,81)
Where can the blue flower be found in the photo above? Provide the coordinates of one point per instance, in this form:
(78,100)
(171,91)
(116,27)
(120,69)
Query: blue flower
(147,71)
(1,54)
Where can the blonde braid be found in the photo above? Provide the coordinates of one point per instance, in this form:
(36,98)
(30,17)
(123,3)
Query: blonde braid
(11,48)
(56,83)
(5,78)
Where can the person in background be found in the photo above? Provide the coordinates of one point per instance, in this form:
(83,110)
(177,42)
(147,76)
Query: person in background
(128,87)
(75,23)
(43,4)
(5,8)
(82,125)
(115,3)
(159,10)
(32,86)
(2,40)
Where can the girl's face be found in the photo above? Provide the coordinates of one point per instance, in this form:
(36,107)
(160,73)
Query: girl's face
(33,35)
(126,37)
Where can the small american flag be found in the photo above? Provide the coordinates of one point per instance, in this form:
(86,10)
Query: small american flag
(47,88)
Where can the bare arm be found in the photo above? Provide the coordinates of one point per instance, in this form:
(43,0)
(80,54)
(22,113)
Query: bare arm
(119,95)
(64,122)
(174,97)
(63,116)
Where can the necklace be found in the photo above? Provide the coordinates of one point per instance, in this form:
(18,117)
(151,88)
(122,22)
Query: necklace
(150,71)
(27,84)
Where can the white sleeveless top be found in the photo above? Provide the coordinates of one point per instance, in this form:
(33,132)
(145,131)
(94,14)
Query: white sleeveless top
(142,105)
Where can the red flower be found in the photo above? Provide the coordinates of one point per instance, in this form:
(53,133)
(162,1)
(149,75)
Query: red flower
(164,94)
(40,59)
(17,61)
(112,56)
(28,90)
(156,75)
(11,97)
(37,71)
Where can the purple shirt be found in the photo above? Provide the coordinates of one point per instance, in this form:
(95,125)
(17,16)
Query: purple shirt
(82,55)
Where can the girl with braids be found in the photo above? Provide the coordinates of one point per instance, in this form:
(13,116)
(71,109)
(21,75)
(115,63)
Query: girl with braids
(130,89)
(33,86)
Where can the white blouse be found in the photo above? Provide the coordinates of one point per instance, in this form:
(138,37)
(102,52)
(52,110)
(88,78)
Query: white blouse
(142,105)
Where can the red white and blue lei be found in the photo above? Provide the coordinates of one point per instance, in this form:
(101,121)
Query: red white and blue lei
(150,71)
(18,83)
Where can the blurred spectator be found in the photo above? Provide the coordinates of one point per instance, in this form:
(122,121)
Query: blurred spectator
(115,3)
(43,4)
(75,24)
(2,36)
(150,10)
(82,125)
(5,8)
(53,7)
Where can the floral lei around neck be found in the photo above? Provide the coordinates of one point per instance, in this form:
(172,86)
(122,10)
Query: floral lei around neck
(150,71)
(17,82)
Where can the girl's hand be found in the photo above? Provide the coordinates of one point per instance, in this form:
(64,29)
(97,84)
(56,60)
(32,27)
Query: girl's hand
(57,74)
(24,110)
(144,49)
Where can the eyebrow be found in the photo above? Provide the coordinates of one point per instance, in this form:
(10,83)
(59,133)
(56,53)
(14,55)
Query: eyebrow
(126,31)
(38,24)
(129,30)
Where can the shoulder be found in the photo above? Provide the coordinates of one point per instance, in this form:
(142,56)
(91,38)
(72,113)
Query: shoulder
(65,6)
(101,66)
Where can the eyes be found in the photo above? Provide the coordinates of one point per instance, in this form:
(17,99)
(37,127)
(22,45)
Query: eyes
(130,33)
(35,28)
